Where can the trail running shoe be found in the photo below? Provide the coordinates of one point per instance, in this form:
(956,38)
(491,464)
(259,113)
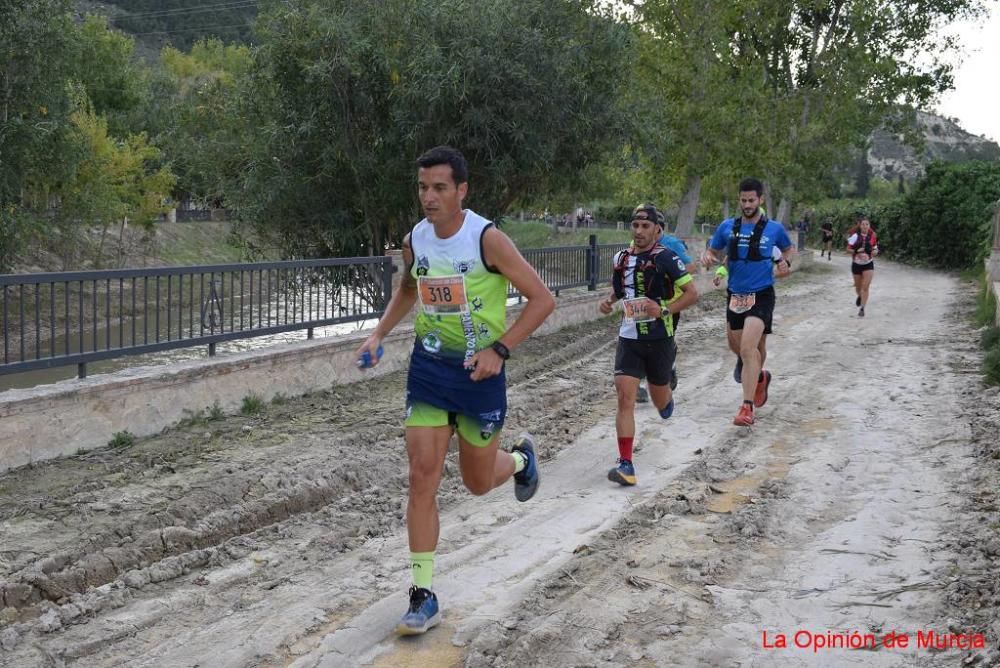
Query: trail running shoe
(526,481)
(668,410)
(857,302)
(738,371)
(642,395)
(760,394)
(861,313)
(422,615)
(623,473)
(744,417)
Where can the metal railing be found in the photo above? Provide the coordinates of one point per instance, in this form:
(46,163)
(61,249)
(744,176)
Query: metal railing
(565,267)
(59,319)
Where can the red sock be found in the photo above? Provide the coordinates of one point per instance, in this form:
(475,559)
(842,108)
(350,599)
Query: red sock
(625,447)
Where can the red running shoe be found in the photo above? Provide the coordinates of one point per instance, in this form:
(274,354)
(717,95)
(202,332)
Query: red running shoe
(760,394)
(745,417)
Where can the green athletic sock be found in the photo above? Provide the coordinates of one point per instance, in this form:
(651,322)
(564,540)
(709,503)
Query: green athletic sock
(520,461)
(422,567)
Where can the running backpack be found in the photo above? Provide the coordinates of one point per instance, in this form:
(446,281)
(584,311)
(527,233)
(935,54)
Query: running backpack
(621,264)
(753,251)
(864,243)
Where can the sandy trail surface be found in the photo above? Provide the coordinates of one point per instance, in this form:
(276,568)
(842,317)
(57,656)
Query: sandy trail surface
(861,503)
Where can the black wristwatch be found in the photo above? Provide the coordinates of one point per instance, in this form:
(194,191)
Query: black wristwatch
(501,350)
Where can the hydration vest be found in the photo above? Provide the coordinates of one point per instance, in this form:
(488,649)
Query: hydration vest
(864,243)
(753,251)
(621,264)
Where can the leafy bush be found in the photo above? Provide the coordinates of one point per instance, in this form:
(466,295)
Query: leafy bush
(215,412)
(948,216)
(252,404)
(122,440)
(991,366)
(884,215)
(990,338)
(944,222)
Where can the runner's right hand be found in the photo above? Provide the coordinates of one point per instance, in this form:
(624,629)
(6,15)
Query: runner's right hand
(371,346)
(605,306)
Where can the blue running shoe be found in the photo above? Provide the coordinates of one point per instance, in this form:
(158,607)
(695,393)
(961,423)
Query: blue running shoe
(623,474)
(422,615)
(738,371)
(668,410)
(526,481)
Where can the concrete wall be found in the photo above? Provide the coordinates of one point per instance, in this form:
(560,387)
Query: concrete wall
(59,419)
(996,296)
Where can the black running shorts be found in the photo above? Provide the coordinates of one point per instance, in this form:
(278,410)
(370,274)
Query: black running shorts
(762,308)
(652,359)
(858,269)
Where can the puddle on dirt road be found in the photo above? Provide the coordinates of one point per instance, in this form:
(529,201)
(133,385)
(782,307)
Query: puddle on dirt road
(817,427)
(728,495)
(433,649)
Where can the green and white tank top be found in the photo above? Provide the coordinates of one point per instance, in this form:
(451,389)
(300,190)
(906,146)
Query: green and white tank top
(462,303)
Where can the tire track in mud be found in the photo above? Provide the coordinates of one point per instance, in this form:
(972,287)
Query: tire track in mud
(90,533)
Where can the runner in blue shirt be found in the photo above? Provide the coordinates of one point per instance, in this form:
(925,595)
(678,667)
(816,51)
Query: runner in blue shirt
(680,250)
(749,240)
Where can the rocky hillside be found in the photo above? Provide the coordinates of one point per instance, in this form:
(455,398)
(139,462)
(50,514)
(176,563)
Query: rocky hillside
(179,23)
(889,156)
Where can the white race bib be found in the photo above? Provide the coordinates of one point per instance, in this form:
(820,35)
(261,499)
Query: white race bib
(742,303)
(635,310)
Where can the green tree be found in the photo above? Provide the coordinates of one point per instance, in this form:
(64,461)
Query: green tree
(689,108)
(193,119)
(115,182)
(821,76)
(105,65)
(35,48)
(183,23)
(49,67)
(345,95)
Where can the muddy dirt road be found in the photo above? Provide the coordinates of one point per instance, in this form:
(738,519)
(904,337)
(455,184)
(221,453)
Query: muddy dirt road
(862,502)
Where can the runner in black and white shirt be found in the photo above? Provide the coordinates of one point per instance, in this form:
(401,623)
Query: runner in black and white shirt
(646,279)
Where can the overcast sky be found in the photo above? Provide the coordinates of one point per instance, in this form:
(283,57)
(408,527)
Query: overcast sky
(975,101)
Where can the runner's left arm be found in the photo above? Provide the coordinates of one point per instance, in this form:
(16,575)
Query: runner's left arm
(502,255)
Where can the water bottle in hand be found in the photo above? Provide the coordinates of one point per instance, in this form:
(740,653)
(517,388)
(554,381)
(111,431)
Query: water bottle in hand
(365,362)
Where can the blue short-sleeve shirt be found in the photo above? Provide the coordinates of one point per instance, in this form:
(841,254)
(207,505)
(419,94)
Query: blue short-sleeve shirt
(744,276)
(677,246)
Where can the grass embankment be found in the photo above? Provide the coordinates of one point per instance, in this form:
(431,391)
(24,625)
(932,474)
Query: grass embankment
(181,244)
(540,235)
